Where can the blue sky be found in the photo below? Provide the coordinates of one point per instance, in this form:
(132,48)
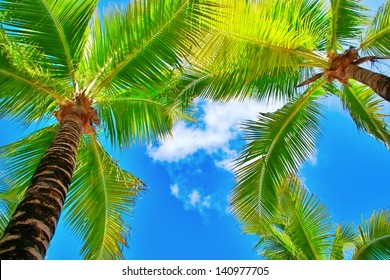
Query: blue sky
(184,214)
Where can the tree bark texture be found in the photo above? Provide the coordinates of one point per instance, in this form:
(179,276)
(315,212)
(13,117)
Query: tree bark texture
(33,223)
(377,82)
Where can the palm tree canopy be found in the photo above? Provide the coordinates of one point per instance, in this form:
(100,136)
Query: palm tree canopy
(53,50)
(301,229)
(262,50)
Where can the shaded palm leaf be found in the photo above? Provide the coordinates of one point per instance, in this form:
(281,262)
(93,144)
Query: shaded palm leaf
(278,145)
(377,38)
(366,110)
(373,243)
(100,196)
(137,47)
(57,27)
(346,21)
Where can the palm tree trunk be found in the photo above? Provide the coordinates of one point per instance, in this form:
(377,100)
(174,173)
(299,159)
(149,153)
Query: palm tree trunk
(377,82)
(32,226)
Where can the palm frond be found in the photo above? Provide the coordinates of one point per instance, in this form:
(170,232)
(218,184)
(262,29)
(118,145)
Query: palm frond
(100,197)
(278,144)
(137,46)
(344,237)
(26,93)
(142,116)
(373,243)
(346,20)
(299,229)
(18,163)
(59,28)
(242,52)
(367,110)
(377,38)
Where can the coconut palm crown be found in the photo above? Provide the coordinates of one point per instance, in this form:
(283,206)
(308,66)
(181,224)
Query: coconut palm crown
(88,68)
(297,52)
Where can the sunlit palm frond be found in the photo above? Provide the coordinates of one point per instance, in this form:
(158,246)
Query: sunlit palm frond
(367,110)
(137,46)
(19,161)
(101,196)
(346,20)
(299,229)
(26,92)
(377,38)
(259,47)
(57,27)
(278,145)
(307,220)
(373,243)
(343,239)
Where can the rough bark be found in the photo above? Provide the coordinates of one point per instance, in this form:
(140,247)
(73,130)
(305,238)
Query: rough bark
(377,82)
(33,223)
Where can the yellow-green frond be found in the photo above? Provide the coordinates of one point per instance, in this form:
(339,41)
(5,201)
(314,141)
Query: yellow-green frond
(59,28)
(373,243)
(101,196)
(18,162)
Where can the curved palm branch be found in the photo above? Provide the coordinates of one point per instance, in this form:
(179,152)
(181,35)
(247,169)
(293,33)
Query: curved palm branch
(278,144)
(346,18)
(300,227)
(373,242)
(366,109)
(147,117)
(19,160)
(344,237)
(101,195)
(57,27)
(21,81)
(137,47)
(377,37)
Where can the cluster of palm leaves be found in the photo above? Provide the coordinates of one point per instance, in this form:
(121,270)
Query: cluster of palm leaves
(142,66)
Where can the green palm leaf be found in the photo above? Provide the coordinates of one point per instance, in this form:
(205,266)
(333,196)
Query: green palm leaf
(137,47)
(57,27)
(21,82)
(373,243)
(377,38)
(366,110)
(100,196)
(300,227)
(19,161)
(345,236)
(347,18)
(148,115)
(278,144)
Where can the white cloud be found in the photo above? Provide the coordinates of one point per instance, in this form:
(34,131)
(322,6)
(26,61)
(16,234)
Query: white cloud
(194,197)
(216,127)
(175,190)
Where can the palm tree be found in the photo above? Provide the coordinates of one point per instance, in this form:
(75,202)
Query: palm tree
(112,68)
(301,229)
(264,49)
